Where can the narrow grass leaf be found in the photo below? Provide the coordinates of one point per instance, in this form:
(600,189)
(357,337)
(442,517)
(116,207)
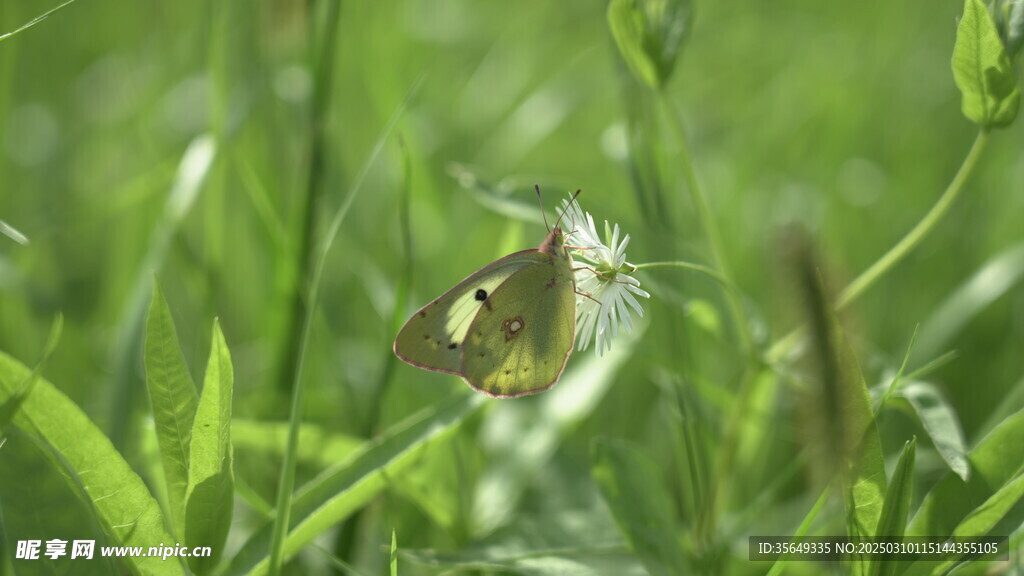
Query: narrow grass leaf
(12,404)
(980,522)
(191,175)
(994,462)
(394,554)
(940,422)
(125,510)
(641,504)
(319,447)
(893,521)
(802,530)
(348,486)
(172,395)
(13,233)
(899,374)
(649,34)
(995,278)
(982,70)
(210,494)
(35,20)
(1014,27)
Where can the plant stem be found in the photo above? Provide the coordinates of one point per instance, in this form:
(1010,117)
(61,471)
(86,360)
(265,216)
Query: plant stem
(710,227)
(711,272)
(303,309)
(869,277)
(914,237)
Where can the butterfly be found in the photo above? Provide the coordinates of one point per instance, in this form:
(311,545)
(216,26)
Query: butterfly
(507,329)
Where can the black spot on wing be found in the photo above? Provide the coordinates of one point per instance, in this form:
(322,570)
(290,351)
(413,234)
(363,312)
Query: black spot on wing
(480,295)
(453,346)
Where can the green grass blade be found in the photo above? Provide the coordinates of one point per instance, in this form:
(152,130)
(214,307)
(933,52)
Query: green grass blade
(10,407)
(172,395)
(125,510)
(802,530)
(994,462)
(319,447)
(980,522)
(899,374)
(940,422)
(995,278)
(287,481)
(188,183)
(347,487)
(394,554)
(641,504)
(649,36)
(893,521)
(208,502)
(12,232)
(35,20)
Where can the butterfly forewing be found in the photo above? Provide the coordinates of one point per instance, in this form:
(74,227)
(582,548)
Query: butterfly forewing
(434,336)
(520,340)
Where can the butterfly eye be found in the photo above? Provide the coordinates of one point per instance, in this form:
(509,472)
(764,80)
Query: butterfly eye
(481,295)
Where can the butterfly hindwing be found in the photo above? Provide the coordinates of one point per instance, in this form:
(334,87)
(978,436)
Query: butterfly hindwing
(520,340)
(433,337)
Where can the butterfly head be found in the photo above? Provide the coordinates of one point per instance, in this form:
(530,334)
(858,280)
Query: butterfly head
(554,243)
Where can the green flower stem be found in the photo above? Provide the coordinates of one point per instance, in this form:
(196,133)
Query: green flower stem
(710,227)
(869,277)
(304,306)
(710,272)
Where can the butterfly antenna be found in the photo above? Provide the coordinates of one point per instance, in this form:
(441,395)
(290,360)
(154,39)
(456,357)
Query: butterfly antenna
(541,201)
(571,200)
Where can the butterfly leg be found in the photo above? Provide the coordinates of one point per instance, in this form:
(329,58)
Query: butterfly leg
(596,273)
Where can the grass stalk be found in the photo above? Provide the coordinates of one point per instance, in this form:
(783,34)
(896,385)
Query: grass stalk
(905,246)
(710,227)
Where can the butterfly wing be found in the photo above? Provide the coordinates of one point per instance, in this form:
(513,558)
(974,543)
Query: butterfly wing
(521,338)
(433,337)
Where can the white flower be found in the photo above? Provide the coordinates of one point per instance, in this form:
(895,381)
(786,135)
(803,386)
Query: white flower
(605,289)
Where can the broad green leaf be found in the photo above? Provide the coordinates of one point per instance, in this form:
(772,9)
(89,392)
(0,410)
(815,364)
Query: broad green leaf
(940,422)
(40,503)
(994,462)
(979,522)
(172,395)
(642,506)
(12,404)
(893,521)
(348,486)
(125,510)
(982,69)
(211,480)
(649,34)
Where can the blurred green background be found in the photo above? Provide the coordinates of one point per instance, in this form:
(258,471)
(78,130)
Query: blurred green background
(839,117)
